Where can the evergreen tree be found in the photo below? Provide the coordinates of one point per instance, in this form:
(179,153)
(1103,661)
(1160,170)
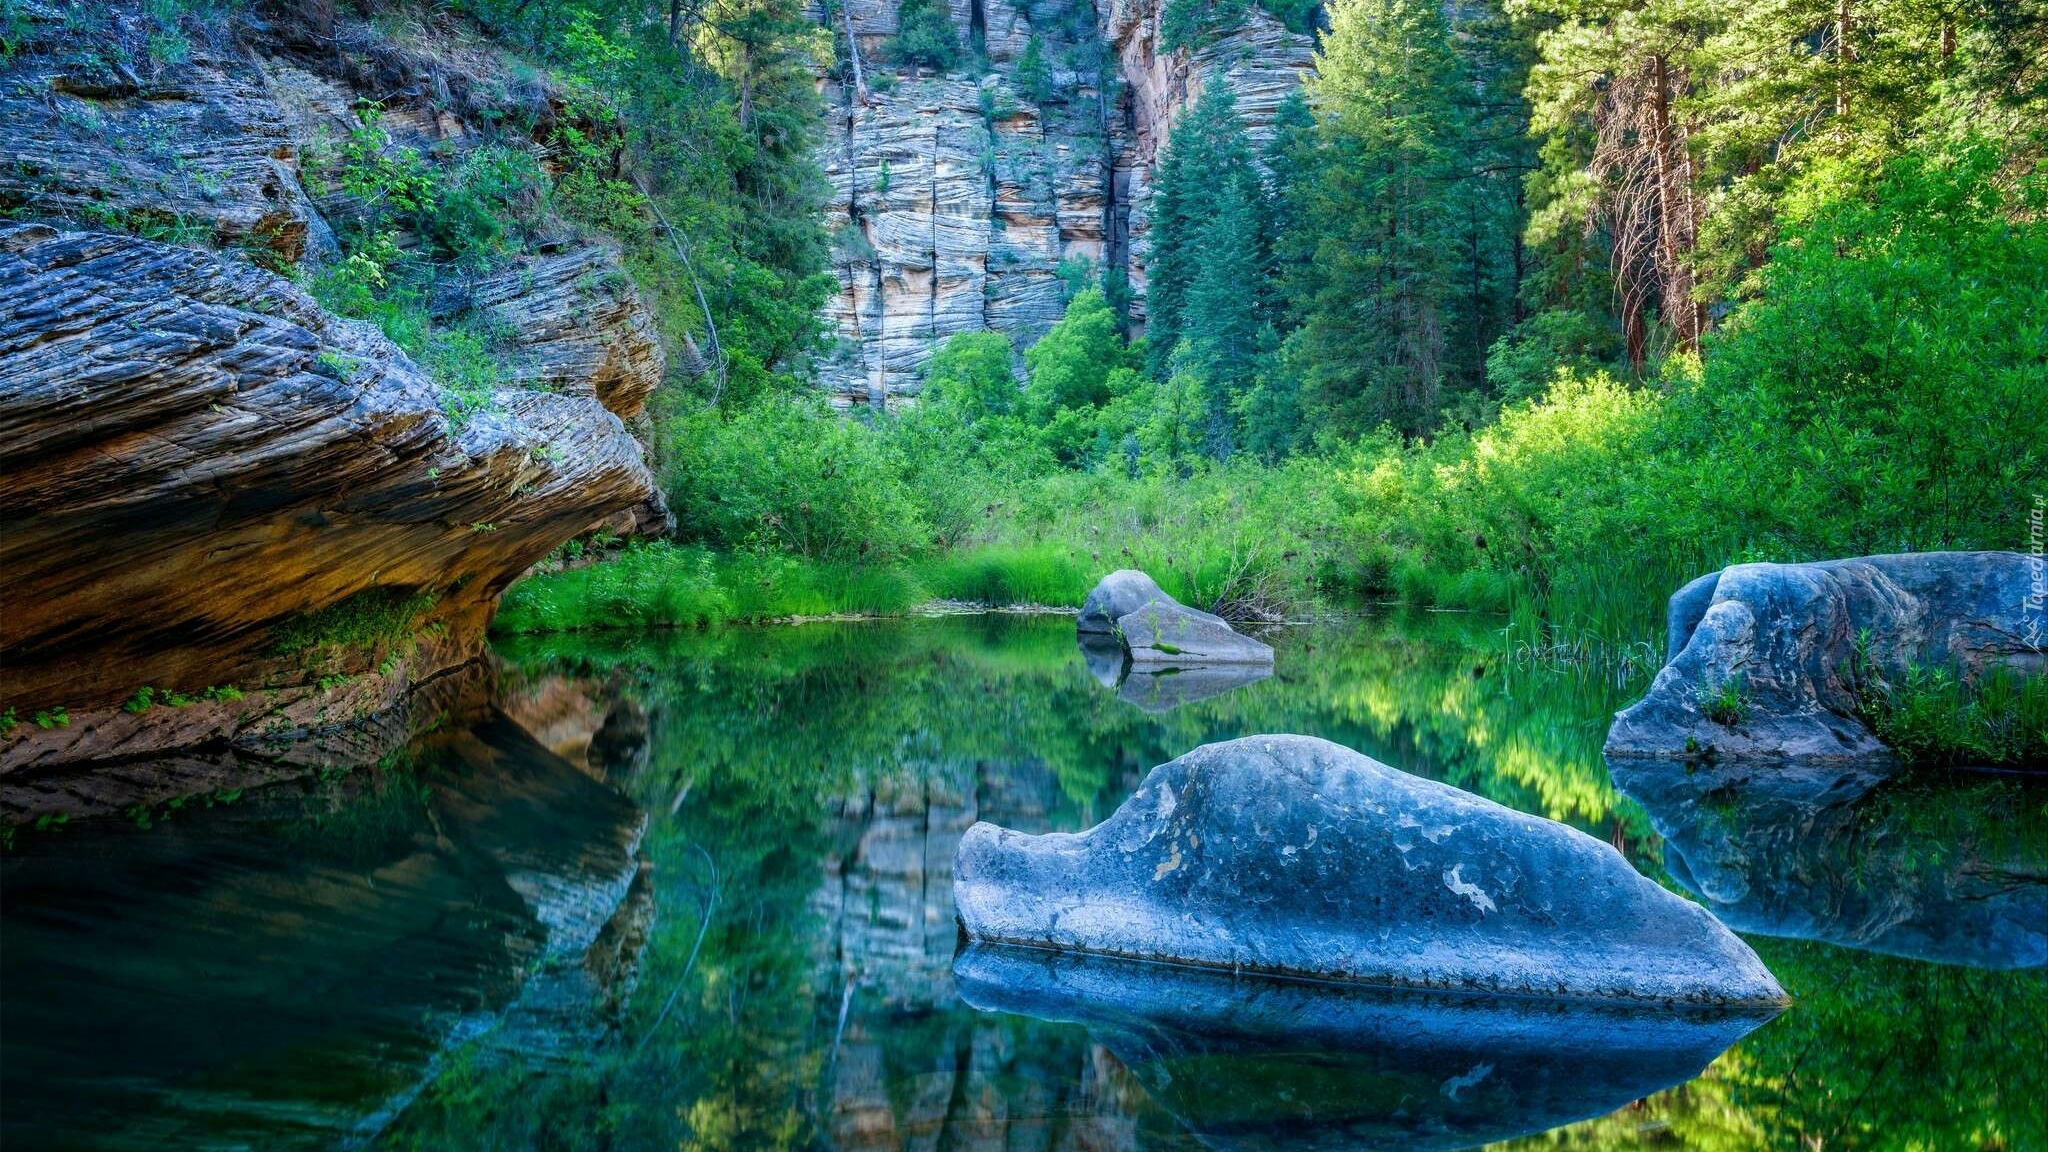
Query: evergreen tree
(1220,318)
(925,35)
(1373,247)
(1206,152)
(1034,78)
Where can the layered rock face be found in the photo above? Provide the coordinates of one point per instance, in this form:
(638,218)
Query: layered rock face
(956,199)
(1767,661)
(198,151)
(207,481)
(196,454)
(1295,856)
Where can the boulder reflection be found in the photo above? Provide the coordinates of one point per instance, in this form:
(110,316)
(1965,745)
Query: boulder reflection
(1951,869)
(1158,690)
(1253,1063)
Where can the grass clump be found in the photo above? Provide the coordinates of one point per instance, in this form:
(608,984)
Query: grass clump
(682,586)
(1002,575)
(373,617)
(1930,716)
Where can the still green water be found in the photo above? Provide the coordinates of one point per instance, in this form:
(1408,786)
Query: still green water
(435,953)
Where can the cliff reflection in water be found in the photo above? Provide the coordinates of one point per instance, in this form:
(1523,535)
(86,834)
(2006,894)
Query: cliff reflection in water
(802,791)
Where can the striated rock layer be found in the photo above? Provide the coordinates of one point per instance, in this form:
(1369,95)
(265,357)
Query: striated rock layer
(957,200)
(206,479)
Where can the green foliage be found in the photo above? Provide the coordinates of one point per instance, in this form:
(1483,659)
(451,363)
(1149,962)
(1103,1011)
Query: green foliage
(376,617)
(1070,366)
(971,376)
(1372,257)
(1724,703)
(1190,25)
(925,36)
(1884,391)
(1932,716)
(1034,76)
(788,476)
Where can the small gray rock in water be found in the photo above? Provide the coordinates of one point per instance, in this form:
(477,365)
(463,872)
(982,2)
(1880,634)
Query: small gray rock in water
(1118,595)
(1170,634)
(1156,629)
(1292,855)
(1763,659)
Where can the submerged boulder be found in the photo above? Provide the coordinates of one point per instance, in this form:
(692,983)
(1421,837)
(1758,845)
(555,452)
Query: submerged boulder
(1156,629)
(1293,855)
(1773,661)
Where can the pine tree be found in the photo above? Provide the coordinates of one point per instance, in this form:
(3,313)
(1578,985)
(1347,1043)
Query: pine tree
(1206,151)
(1220,320)
(1034,78)
(1372,246)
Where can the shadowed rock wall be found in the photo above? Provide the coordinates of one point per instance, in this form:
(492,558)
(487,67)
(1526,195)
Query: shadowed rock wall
(956,199)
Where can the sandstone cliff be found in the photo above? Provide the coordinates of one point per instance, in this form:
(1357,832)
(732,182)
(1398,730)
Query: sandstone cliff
(208,481)
(957,199)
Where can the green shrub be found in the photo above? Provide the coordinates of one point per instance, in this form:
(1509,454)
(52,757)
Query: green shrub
(790,476)
(1195,24)
(1929,715)
(925,36)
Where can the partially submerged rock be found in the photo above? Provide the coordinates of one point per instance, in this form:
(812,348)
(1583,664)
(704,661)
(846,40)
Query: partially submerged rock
(1156,629)
(1246,1062)
(1946,871)
(1157,688)
(1292,855)
(1766,660)
(1171,634)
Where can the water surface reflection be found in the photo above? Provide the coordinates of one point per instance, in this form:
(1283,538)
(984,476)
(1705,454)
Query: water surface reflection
(802,791)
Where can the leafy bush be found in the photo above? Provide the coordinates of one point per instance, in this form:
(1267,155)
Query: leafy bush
(1931,716)
(1884,392)
(789,476)
(925,36)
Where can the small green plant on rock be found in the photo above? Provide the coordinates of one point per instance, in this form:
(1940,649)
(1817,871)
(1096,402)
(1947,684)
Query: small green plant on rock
(1724,703)
(143,700)
(1931,715)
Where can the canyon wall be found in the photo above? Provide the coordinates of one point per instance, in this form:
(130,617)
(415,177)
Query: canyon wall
(229,516)
(957,198)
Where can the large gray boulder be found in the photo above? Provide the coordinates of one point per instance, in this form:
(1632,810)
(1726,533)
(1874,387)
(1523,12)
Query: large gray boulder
(1295,856)
(1763,660)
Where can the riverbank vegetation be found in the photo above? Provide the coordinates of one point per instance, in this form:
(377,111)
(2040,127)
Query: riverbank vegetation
(1541,313)
(1665,294)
